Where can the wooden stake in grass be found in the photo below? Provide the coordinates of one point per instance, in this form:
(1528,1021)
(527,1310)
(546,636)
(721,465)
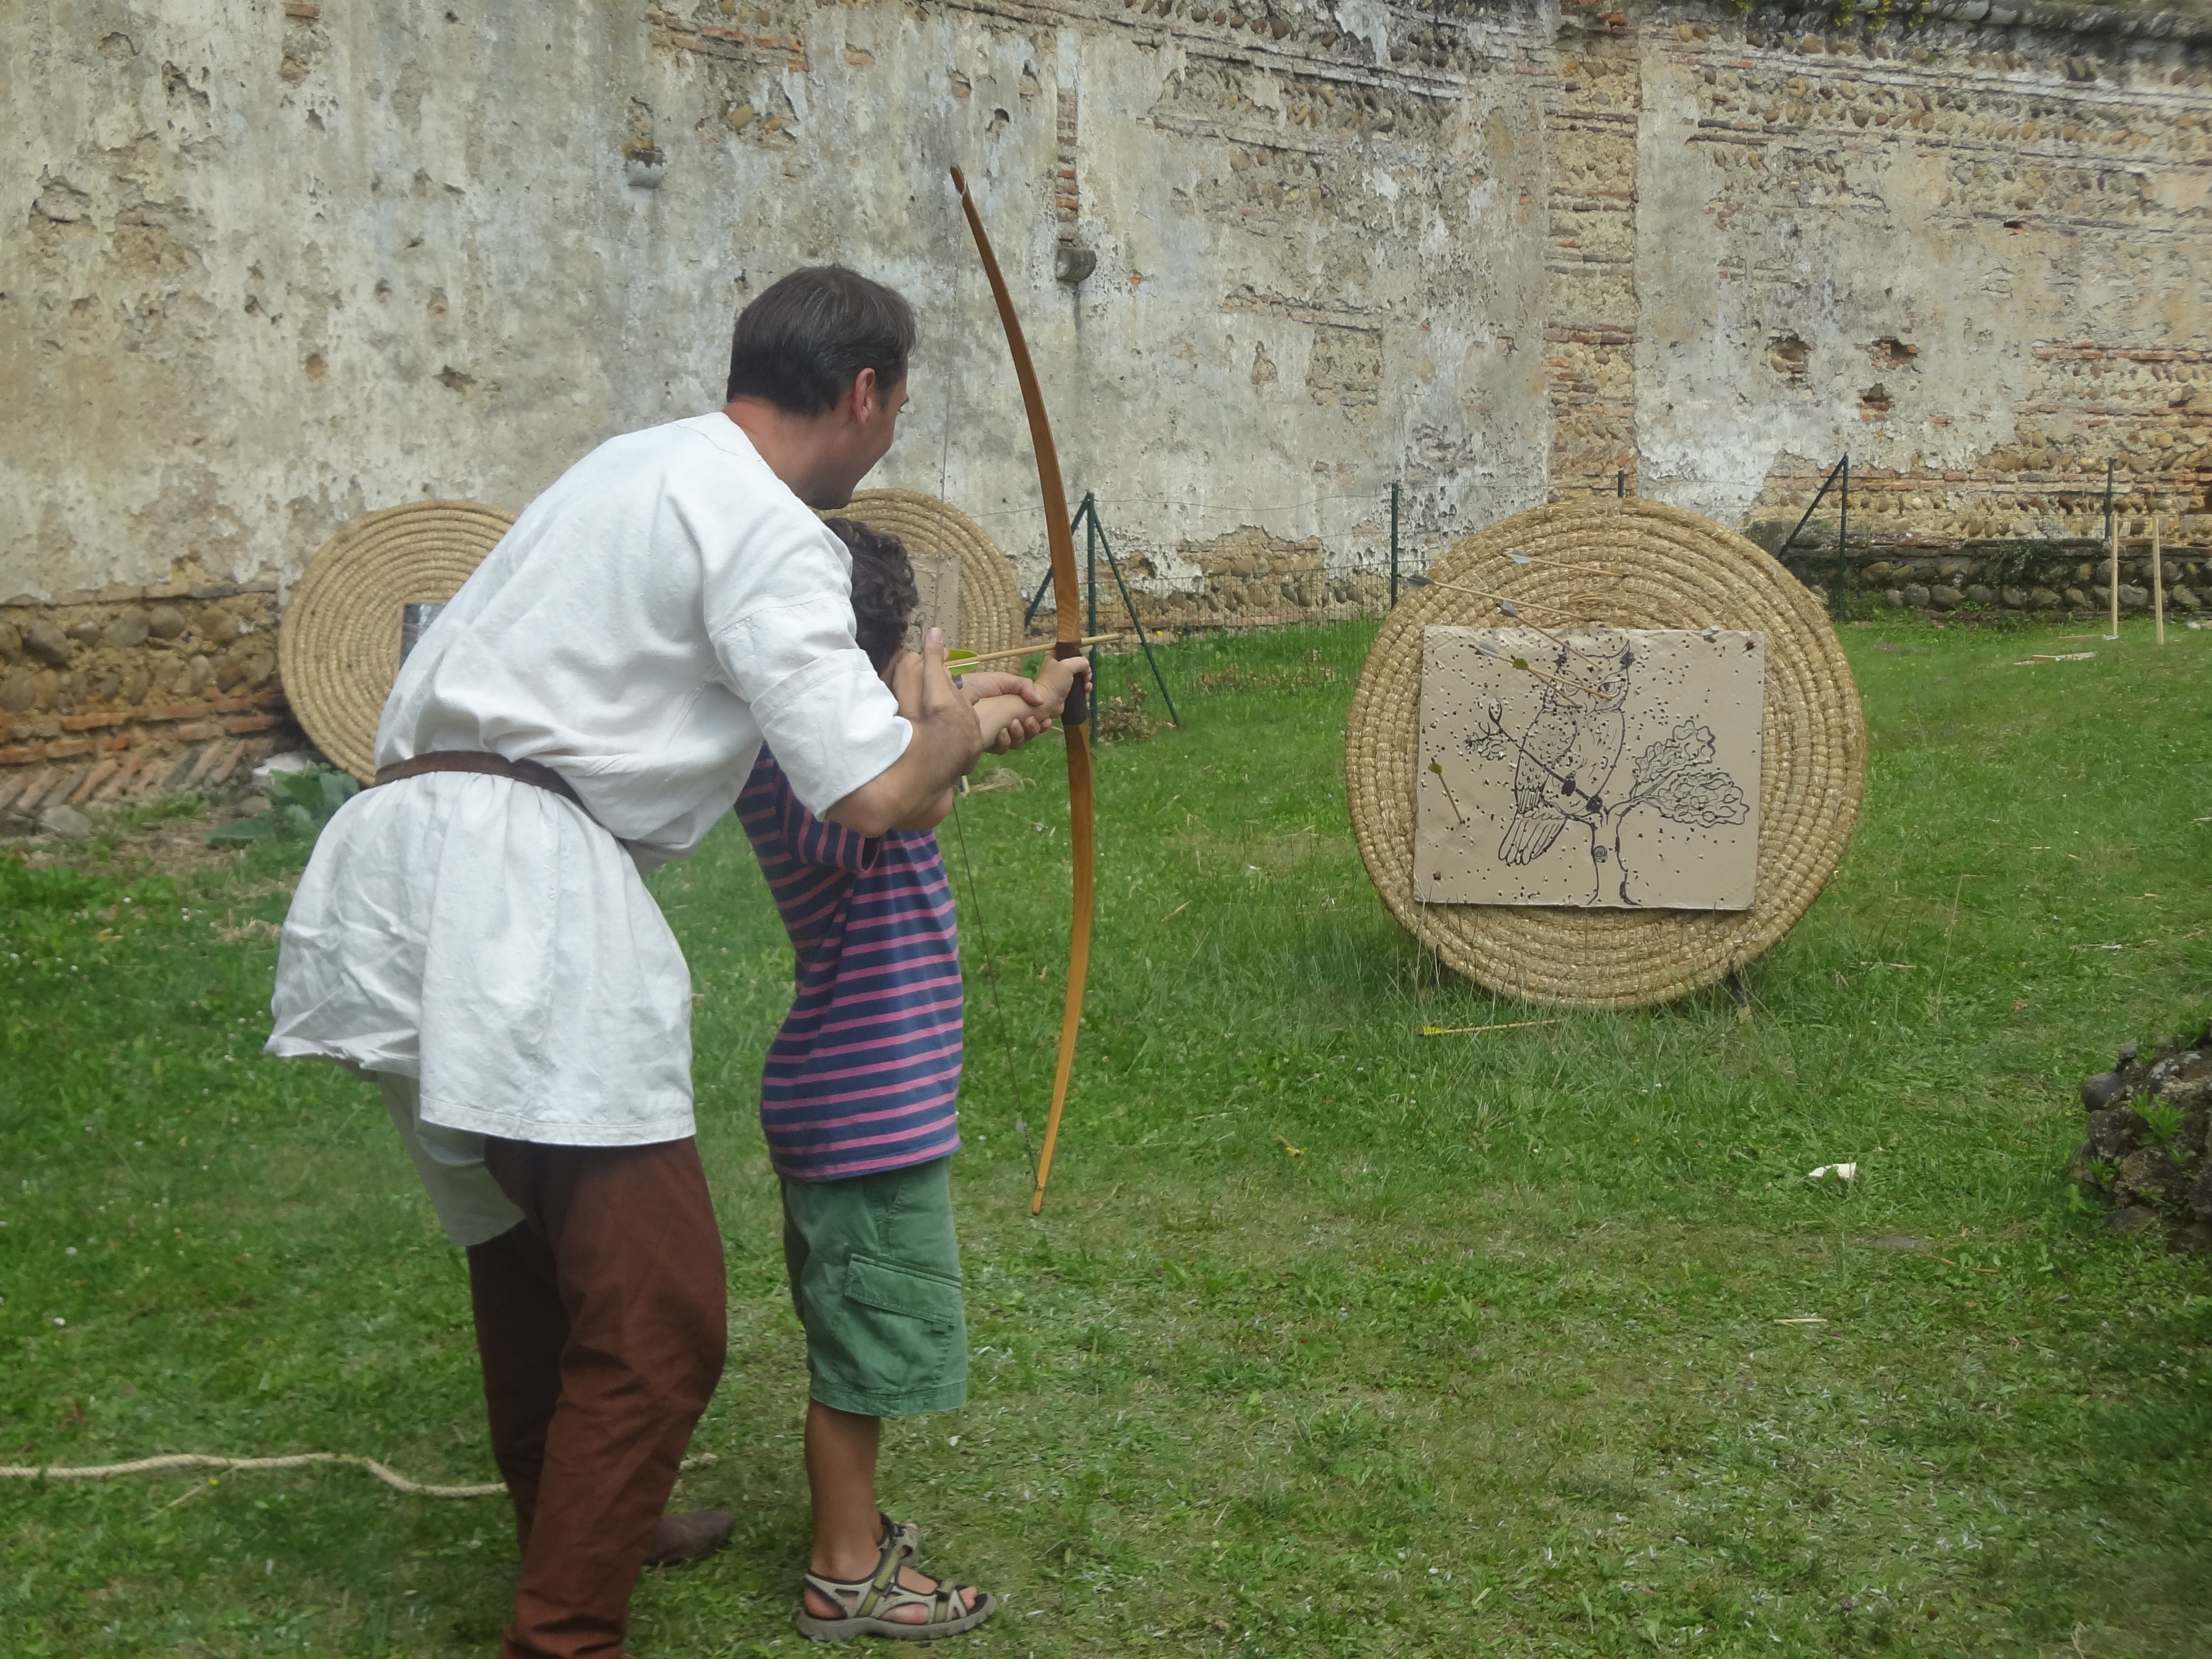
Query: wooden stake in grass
(2157,581)
(2112,592)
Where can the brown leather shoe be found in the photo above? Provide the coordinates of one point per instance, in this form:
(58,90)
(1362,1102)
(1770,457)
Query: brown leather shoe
(689,1536)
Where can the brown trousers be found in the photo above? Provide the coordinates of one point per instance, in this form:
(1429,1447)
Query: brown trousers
(601,1321)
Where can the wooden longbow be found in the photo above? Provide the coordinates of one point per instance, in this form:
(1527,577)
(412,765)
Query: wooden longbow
(1068,635)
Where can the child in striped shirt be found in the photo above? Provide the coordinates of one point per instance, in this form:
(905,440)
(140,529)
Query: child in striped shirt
(858,1104)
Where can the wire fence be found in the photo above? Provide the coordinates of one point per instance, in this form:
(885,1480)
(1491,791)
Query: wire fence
(1279,596)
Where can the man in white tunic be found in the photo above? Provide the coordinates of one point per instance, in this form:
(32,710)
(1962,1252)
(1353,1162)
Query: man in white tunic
(474,932)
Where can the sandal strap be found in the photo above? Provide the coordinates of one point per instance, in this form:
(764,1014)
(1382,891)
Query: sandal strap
(862,1597)
(902,1533)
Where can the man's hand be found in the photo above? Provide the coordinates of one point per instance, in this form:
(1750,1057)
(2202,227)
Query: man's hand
(946,741)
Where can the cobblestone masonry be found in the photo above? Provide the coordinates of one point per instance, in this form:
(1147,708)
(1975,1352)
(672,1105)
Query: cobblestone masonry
(279,265)
(136,692)
(2042,577)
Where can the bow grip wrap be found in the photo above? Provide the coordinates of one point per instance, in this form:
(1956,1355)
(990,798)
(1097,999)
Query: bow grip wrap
(1078,695)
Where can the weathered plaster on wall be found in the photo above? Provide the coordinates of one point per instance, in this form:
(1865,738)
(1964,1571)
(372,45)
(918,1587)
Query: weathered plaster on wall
(1943,252)
(289,263)
(278,265)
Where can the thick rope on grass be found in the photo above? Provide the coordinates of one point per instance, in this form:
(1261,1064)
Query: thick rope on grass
(338,644)
(990,597)
(1629,564)
(170,1461)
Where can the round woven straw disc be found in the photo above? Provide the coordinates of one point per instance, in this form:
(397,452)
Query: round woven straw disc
(1631,564)
(338,645)
(990,598)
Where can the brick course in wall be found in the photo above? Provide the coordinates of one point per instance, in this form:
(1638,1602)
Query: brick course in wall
(1592,112)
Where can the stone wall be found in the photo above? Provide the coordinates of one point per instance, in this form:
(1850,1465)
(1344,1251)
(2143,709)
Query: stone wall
(1969,255)
(136,649)
(136,692)
(279,264)
(2146,1148)
(2033,577)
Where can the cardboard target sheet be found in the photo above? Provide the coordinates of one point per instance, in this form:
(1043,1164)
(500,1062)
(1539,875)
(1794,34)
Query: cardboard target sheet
(1590,766)
(936,584)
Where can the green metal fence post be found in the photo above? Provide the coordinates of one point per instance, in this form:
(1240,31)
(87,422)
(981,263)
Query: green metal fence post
(1144,639)
(1843,534)
(1393,546)
(1036,599)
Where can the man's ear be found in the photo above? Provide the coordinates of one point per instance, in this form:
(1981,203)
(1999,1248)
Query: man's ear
(865,394)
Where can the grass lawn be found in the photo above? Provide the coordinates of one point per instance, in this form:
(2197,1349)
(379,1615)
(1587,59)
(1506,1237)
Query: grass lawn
(1332,1339)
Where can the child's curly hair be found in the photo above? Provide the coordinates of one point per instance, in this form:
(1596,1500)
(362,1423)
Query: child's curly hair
(884,593)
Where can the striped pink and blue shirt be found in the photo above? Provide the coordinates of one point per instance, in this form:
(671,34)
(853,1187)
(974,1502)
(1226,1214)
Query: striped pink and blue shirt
(864,1074)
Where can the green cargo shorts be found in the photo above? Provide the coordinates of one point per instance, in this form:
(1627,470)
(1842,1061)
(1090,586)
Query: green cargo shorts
(875,1275)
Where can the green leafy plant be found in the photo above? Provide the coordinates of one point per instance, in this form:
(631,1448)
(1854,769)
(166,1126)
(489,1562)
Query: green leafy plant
(301,803)
(165,809)
(2164,1118)
(23,890)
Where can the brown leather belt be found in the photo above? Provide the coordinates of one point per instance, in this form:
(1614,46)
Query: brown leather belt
(495,766)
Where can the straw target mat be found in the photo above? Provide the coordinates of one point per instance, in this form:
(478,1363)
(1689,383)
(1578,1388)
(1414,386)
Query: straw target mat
(1631,564)
(990,600)
(338,644)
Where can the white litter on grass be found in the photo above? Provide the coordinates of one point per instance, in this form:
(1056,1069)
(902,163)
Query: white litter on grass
(296,760)
(1841,1171)
(2066,656)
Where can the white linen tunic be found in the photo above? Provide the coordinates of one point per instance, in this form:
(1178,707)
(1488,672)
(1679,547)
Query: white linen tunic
(649,619)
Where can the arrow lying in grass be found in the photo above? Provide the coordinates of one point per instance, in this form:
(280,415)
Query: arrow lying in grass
(1469,1030)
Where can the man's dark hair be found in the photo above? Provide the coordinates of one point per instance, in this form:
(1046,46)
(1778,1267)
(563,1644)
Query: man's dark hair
(799,344)
(884,593)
